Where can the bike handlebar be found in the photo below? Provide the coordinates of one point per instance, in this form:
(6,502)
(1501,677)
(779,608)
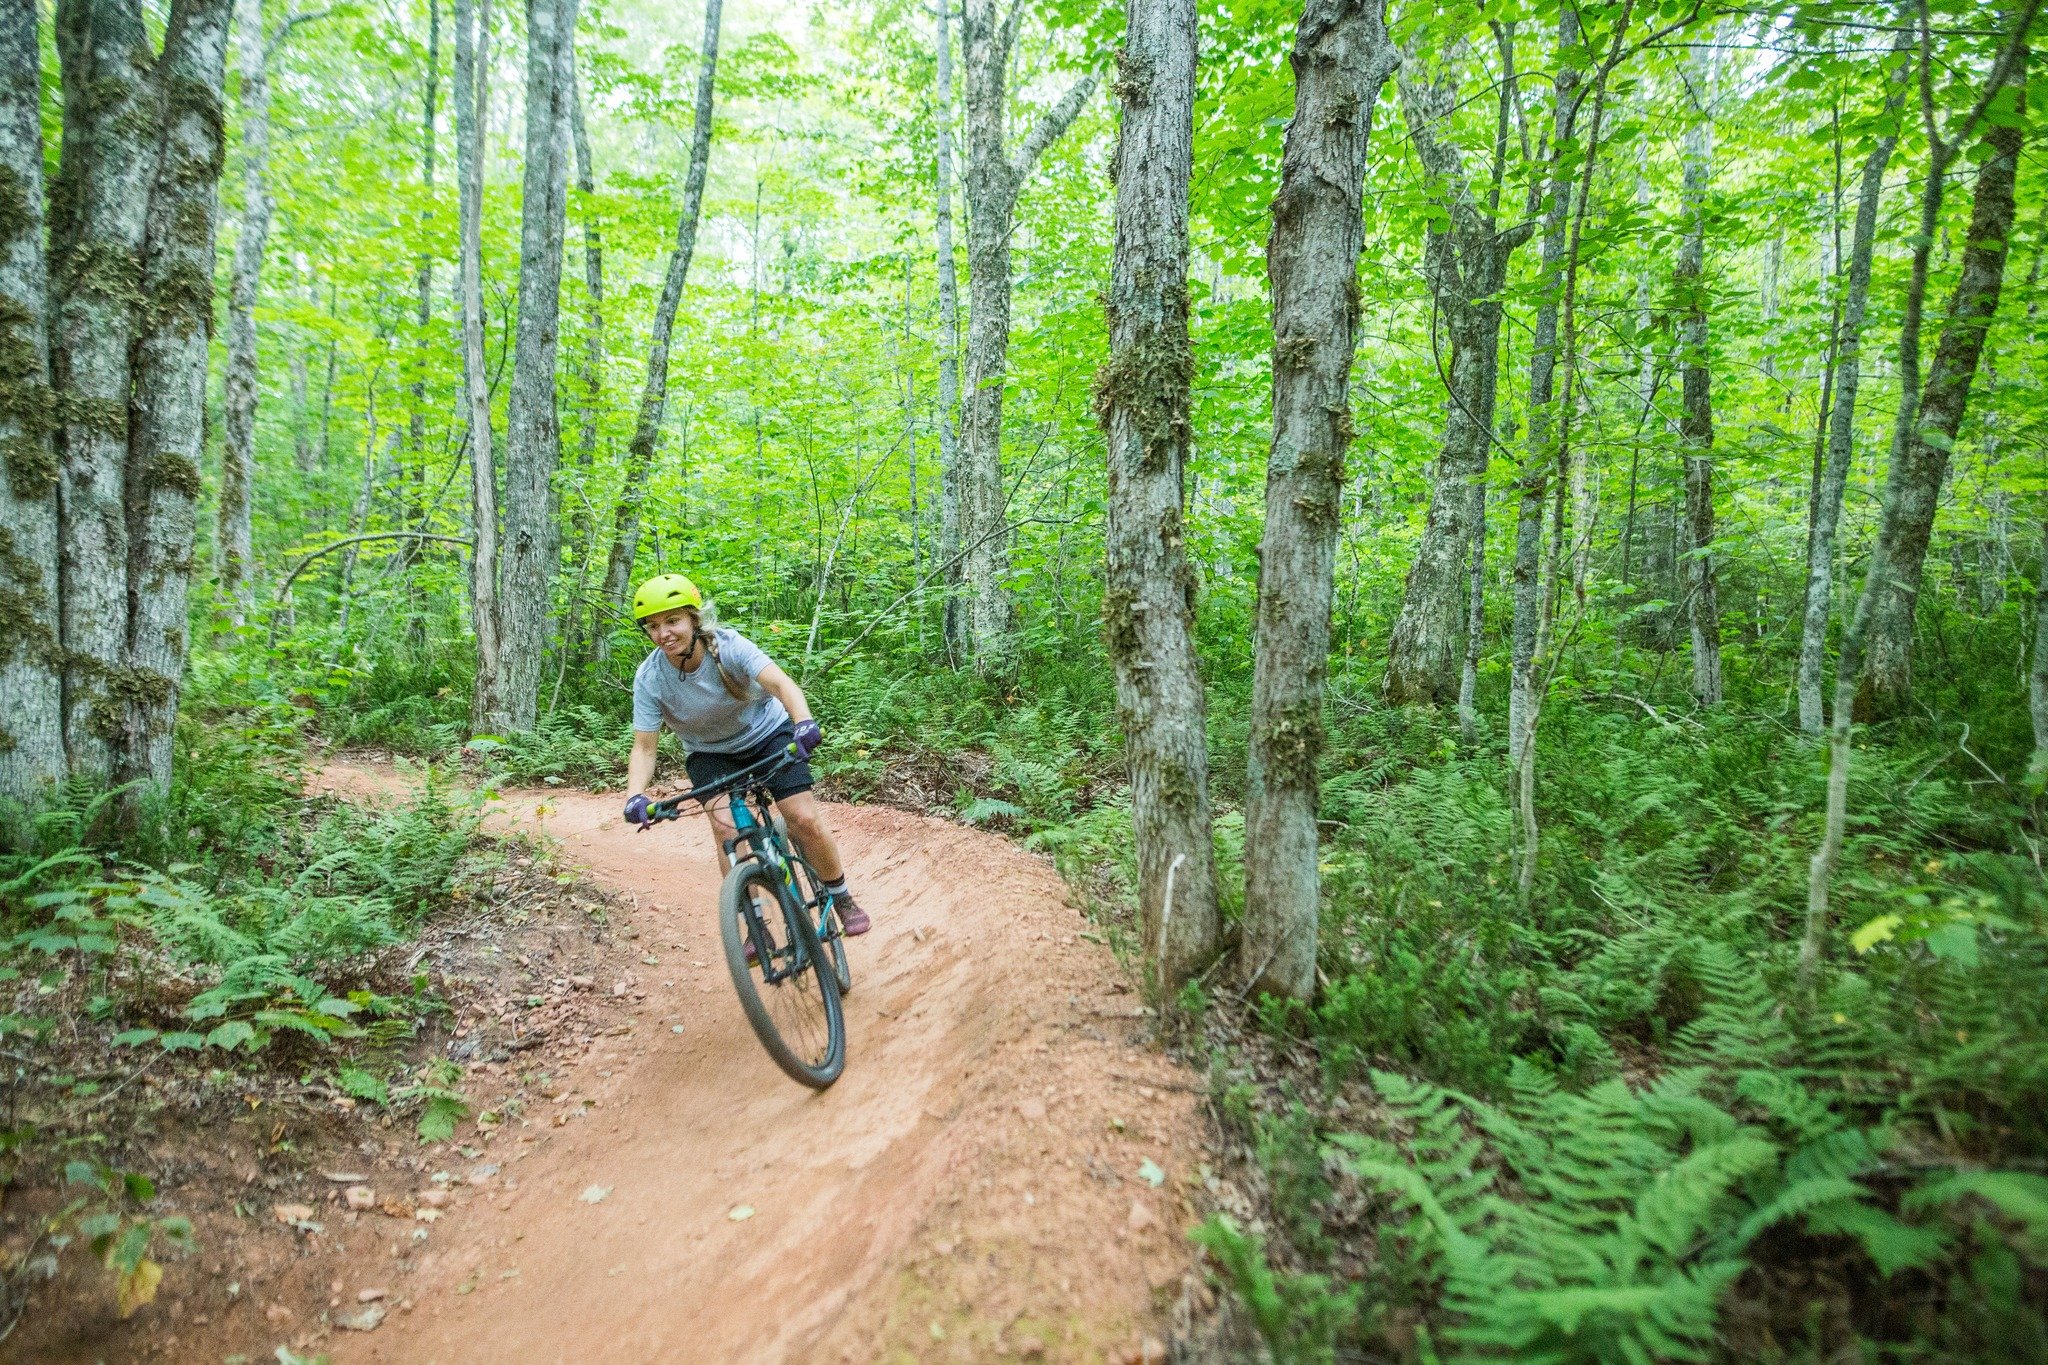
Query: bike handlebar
(672,807)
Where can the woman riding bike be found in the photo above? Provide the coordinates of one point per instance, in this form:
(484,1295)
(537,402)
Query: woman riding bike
(732,708)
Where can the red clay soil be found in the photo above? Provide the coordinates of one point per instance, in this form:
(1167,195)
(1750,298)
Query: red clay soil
(978,1184)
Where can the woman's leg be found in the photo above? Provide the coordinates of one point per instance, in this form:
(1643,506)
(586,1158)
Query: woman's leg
(721,830)
(807,824)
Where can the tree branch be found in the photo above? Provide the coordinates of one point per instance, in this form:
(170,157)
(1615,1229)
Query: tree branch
(1051,126)
(286,586)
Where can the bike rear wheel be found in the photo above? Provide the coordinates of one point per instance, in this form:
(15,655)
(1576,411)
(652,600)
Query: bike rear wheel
(792,1005)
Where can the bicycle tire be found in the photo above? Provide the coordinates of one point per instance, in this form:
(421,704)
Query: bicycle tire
(835,947)
(814,1052)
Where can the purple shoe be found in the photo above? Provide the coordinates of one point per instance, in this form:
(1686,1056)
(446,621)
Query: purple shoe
(853,920)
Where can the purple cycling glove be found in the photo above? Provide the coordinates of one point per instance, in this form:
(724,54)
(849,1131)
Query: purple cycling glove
(808,737)
(636,810)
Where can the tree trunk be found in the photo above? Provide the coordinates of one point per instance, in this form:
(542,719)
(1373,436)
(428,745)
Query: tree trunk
(1696,428)
(98,208)
(1834,479)
(167,414)
(31,680)
(240,384)
(580,523)
(303,455)
(1341,58)
(423,316)
(1141,397)
(1920,459)
(2037,674)
(654,396)
(533,437)
(487,713)
(1475,623)
(1467,265)
(994,177)
(1969,312)
(1533,487)
(952,626)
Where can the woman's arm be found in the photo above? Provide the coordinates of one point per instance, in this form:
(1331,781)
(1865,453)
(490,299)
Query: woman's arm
(783,688)
(640,767)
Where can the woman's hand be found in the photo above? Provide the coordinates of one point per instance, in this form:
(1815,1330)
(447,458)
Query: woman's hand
(636,810)
(808,736)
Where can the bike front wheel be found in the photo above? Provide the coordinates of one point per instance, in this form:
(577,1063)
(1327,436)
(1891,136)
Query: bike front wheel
(789,993)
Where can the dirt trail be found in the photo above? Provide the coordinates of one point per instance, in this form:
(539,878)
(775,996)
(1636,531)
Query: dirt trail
(977,1184)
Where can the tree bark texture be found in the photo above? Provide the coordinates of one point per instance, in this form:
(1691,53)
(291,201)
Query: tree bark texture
(423,315)
(31,677)
(1696,426)
(487,713)
(1920,461)
(98,209)
(1834,479)
(533,436)
(240,385)
(593,328)
(952,626)
(1533,486)
(167,413)
(1341,59)
(654,396)
(1141,397)
(1467,265)
(994,177)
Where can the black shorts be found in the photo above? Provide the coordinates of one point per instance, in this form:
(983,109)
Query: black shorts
(792,778)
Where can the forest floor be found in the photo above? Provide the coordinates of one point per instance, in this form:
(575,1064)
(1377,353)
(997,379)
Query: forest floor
(1006,1168)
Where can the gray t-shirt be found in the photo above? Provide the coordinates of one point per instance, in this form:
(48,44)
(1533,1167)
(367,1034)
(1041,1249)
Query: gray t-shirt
(696,705)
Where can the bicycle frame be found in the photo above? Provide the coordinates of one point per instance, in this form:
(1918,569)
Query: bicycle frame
(749,806)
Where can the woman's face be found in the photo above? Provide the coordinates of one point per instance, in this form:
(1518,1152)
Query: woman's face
(673,633)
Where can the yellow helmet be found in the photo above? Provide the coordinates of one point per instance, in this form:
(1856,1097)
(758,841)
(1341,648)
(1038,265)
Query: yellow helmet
(665,592)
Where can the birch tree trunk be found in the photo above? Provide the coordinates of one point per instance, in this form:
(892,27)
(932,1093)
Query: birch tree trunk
(1341,58)
(952,625)
(1920,459)
(1467,265)
(31,678)
(1141,397)
(487,713)
(1696,427)
(654,396)
(167,412)
(238,445)
(533,437)
(1533,487)
(994,177)
(98,209)
(1834,480)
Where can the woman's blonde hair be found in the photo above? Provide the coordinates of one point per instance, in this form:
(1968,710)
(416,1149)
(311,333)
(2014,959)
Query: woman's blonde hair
(736,687)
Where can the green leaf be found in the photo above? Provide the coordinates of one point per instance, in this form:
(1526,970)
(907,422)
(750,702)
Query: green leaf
(182,1042)
(233,1034)
(130,1037)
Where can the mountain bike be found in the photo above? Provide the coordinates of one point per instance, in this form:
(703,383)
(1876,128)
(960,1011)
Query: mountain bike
(783,942)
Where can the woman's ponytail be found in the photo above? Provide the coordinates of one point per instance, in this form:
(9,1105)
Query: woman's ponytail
(736,687)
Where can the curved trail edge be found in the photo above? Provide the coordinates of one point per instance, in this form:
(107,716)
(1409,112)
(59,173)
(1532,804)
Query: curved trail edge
(980,1182)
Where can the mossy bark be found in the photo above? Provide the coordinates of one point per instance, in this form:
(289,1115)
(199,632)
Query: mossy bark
(1920,460)
(31,682)
(112,111)
(952,624)
(1142,397)
(1696,426)
(1341,58)
(1466,259)
(167,425)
